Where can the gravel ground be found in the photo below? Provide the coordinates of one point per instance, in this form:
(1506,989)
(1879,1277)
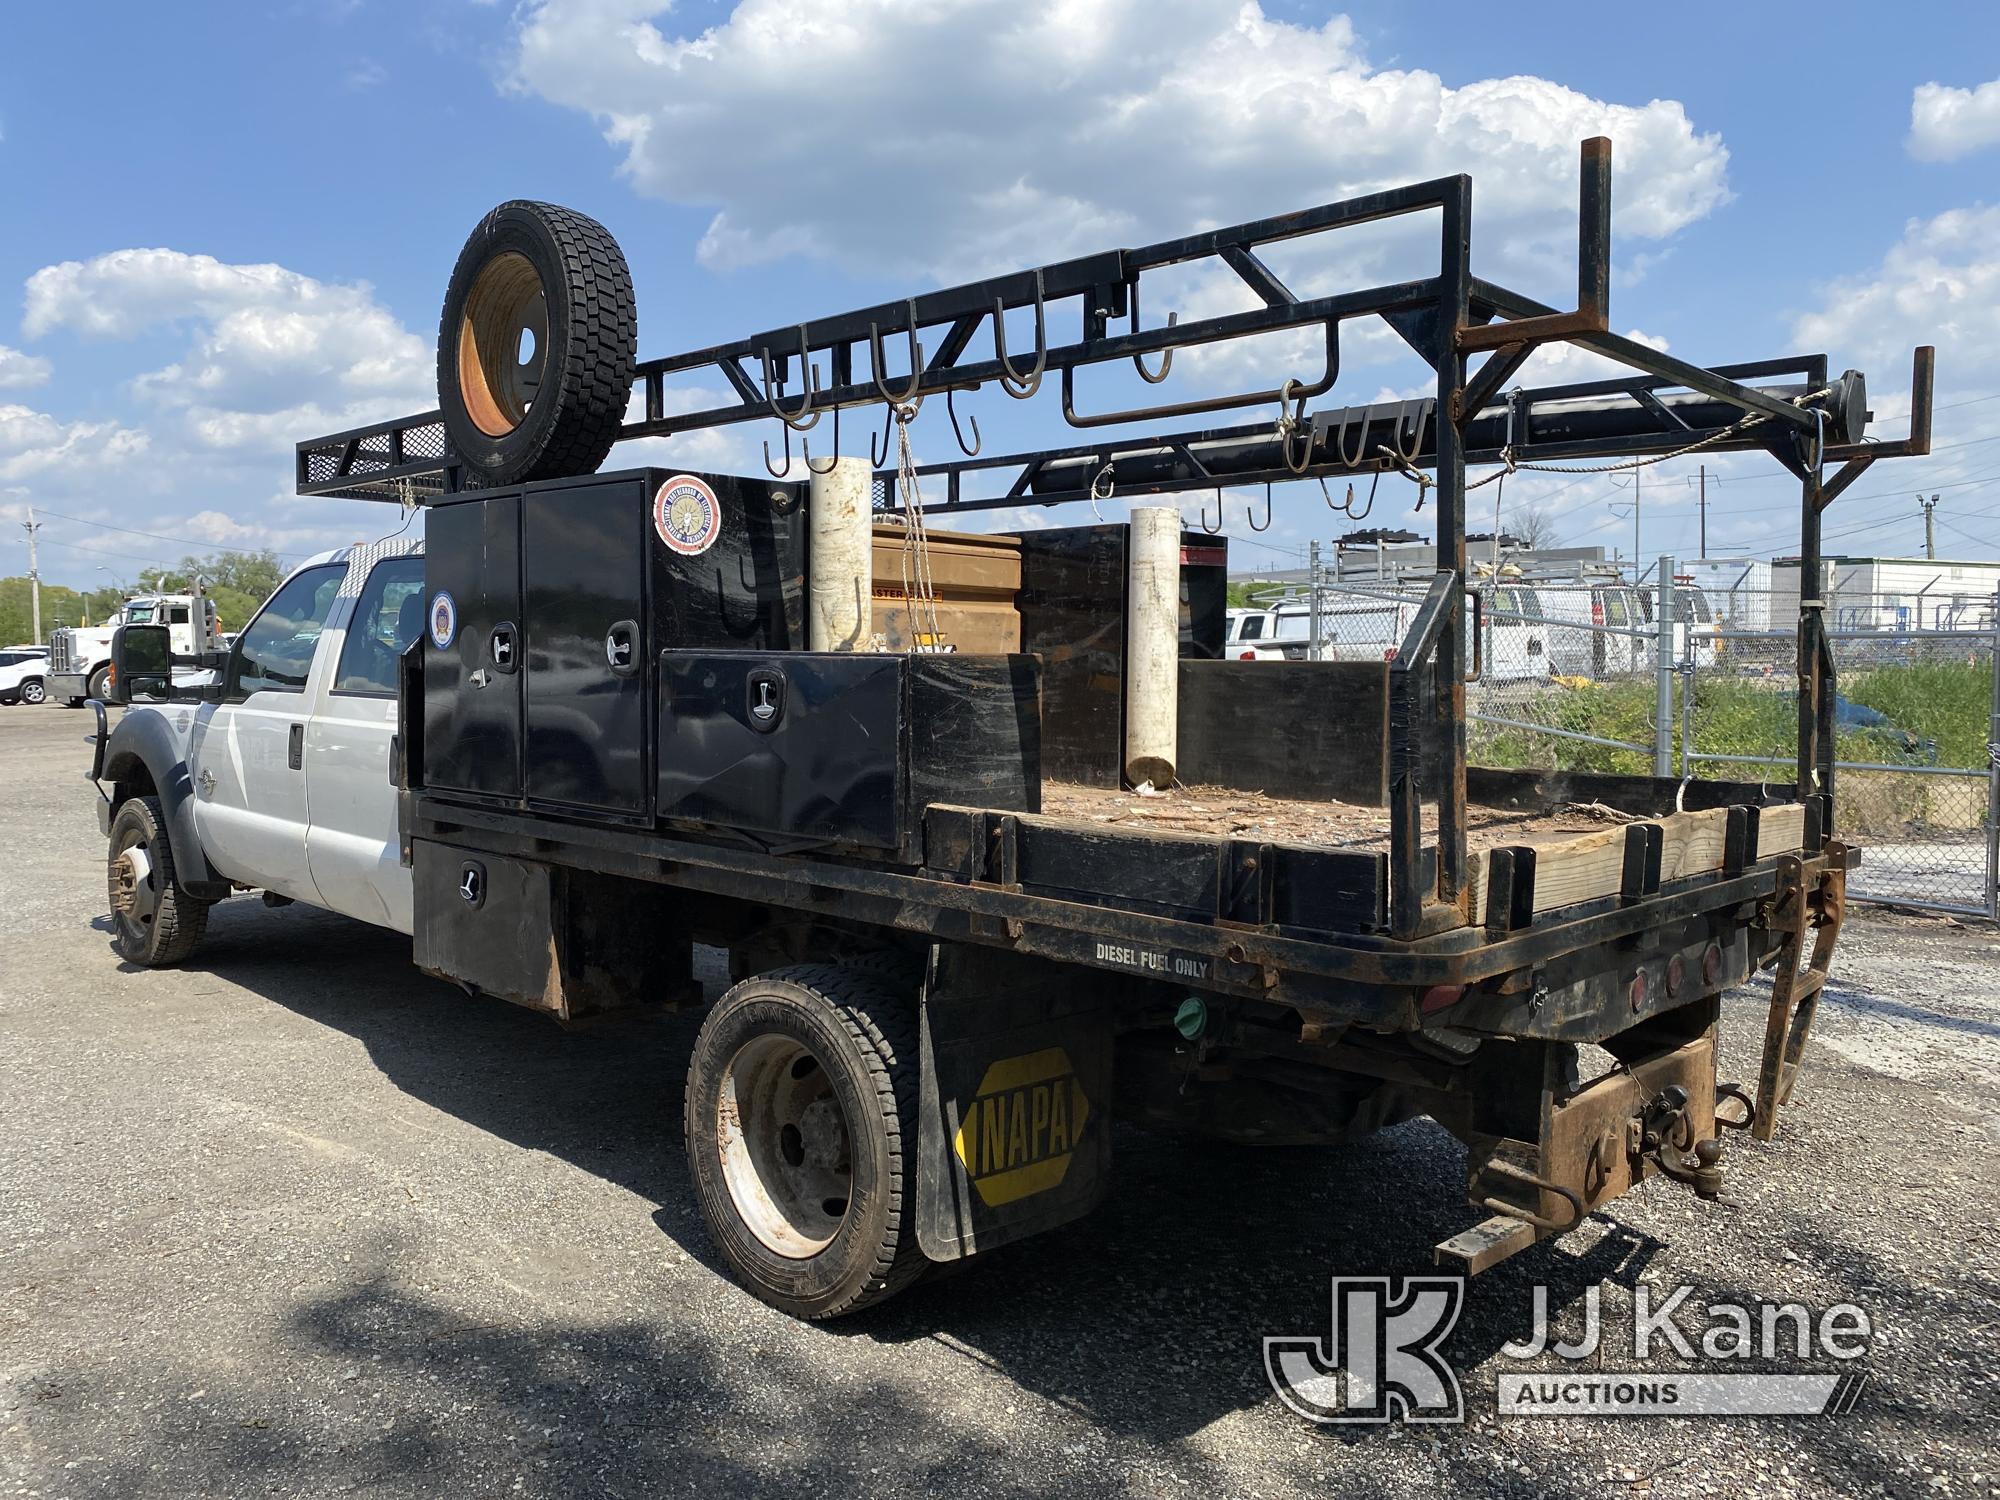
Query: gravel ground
(296,1221)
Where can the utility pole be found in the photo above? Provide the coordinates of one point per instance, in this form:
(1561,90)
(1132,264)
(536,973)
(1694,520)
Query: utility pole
(1930,527)
(31,526)
(1312,591)
(1635,518)
(1702,503)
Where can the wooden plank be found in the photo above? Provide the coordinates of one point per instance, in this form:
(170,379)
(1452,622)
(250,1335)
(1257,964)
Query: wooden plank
(1781,830)
(1593,867)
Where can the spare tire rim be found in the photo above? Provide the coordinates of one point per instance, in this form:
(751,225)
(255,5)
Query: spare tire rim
(503,343)
(787,1152)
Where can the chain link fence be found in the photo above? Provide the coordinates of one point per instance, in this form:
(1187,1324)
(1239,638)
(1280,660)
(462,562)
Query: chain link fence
(1602,676)
(1599,674)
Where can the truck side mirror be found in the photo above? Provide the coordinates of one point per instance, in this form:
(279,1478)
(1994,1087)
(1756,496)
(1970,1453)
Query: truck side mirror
(141,662)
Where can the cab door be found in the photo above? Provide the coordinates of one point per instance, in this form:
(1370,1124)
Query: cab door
(248,752)
(352,845)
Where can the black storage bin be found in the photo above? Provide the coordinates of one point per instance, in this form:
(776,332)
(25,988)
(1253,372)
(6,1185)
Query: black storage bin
(832,748)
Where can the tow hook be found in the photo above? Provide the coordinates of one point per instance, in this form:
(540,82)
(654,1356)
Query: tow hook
(1664,1132)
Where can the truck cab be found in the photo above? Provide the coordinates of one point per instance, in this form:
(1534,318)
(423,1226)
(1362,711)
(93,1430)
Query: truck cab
(278,778)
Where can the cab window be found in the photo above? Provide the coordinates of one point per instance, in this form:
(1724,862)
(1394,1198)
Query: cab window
(1253,628)
(389,616)
(177,614)
(274,655)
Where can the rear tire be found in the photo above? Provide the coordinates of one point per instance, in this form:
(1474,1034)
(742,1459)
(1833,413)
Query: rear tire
(32,691)
(154,922)
(802,1087)
(533,271)
(99,684)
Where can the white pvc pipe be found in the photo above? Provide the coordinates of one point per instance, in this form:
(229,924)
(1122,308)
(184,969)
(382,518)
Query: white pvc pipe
(1152,645)
(840,577)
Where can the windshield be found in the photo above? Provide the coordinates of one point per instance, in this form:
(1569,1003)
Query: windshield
(138,614)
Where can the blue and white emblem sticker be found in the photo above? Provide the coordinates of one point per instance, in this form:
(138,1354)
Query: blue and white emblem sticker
(444,620)
(686,515)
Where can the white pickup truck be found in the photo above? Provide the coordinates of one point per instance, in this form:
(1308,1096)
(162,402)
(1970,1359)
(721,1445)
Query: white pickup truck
(279,780)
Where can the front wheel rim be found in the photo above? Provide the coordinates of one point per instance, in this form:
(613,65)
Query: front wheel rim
(135,887)
(786,1146)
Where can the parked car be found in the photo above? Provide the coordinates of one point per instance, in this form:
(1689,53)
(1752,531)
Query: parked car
(24,672)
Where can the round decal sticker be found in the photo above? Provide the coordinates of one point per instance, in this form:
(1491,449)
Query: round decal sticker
(686,515)
(444,620)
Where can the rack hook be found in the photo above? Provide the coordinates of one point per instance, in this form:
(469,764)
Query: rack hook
(1353,460)
(1424,408)
(777,471)
(1216,529)
(879,459)
(1289,422)
(898,398)
(952,412)
(811,467)
(1251,516)
(1139,360)
(1010,378)
(804,417)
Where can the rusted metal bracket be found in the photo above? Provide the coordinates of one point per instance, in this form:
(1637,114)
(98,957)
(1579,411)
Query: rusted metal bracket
(1593,270)
(1794,992)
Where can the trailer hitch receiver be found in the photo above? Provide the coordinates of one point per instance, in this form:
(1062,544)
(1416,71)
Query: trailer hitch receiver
(1664,1132)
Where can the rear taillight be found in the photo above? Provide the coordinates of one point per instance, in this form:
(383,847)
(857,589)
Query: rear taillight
(1390,654)
(1596,614)
(1248,656)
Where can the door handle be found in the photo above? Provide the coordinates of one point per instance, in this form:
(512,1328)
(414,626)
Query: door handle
(295,750)
(621,648)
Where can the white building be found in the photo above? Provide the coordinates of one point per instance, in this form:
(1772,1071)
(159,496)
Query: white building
(1893,593)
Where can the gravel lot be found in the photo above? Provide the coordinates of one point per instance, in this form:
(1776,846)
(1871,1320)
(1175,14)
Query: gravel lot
(295,1220)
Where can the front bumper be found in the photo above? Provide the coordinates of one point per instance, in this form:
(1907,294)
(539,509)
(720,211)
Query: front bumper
(64,686)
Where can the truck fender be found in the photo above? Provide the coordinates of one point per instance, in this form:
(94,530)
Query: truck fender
(142,741)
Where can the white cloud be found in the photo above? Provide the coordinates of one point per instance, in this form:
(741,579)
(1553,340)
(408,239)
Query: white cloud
(1939,285)
(274,355)
(33,442)
(19,371)
(954,137)
(1947,123)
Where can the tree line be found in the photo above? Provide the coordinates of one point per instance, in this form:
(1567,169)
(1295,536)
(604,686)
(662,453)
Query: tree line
(237,581)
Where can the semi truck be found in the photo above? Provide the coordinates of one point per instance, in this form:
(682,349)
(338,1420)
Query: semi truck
(80,655)
(979,876)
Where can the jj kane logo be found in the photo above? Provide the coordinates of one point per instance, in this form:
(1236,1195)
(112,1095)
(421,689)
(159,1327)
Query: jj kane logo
(1380,1361)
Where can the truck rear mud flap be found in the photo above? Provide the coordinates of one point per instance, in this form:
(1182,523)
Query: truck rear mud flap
(1015,1115)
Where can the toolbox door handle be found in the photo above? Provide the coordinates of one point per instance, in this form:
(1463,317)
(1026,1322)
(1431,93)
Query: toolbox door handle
(621,648)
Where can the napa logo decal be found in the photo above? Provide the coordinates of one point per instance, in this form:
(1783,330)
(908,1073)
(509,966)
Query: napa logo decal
(1018,1134)
(686,515)
(444,620)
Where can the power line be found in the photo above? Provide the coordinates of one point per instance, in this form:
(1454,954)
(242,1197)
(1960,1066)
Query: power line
(183,541)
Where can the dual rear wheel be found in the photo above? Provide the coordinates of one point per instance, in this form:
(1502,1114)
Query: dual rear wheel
(801,1124)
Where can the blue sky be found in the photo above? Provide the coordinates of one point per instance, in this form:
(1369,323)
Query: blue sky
(300,176)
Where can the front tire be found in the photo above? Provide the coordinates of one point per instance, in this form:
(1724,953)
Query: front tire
(154,922)
(99,684)
(801,1126)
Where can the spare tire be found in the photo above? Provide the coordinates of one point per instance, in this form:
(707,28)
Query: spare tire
(536,345)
